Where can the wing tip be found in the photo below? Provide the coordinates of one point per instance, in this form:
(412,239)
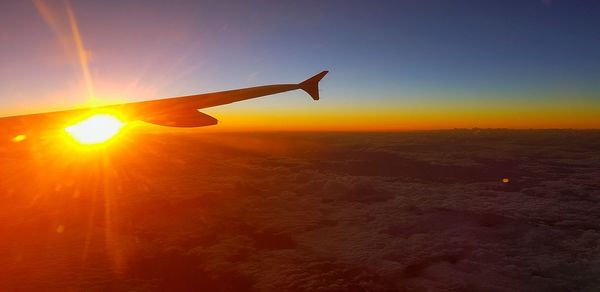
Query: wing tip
(311,85)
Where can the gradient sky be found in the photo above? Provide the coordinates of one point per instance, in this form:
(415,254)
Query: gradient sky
(404,64)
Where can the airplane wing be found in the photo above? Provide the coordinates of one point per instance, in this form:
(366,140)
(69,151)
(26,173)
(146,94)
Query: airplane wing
(173,112)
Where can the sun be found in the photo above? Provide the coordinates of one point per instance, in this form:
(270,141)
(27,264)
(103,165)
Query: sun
(96,129)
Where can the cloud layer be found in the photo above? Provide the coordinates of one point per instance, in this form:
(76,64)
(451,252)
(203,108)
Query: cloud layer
(309,212)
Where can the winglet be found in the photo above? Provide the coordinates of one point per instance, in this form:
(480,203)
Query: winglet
(311,85)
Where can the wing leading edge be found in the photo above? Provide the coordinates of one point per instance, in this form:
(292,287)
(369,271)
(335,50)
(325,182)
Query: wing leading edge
(173,112)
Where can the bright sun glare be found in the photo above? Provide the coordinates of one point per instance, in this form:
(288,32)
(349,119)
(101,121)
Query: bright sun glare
(95,129)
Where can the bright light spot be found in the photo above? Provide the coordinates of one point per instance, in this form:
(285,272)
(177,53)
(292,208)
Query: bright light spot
(96,129)
(60,229)
(505,180)
(19,138)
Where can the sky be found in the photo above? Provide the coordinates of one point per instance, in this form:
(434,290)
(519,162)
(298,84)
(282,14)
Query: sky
(394,65)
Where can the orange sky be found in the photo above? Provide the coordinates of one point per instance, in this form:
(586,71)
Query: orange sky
(322,116)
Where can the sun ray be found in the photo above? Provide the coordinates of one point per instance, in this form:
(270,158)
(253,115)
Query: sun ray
(82,54)
(66,29)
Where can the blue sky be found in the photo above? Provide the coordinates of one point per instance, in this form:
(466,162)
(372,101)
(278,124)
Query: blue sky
(384,54)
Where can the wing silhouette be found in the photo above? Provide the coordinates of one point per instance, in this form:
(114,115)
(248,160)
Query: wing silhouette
(173,112)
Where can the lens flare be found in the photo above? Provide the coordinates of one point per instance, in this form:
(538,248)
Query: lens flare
(19,138)
(96,129)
